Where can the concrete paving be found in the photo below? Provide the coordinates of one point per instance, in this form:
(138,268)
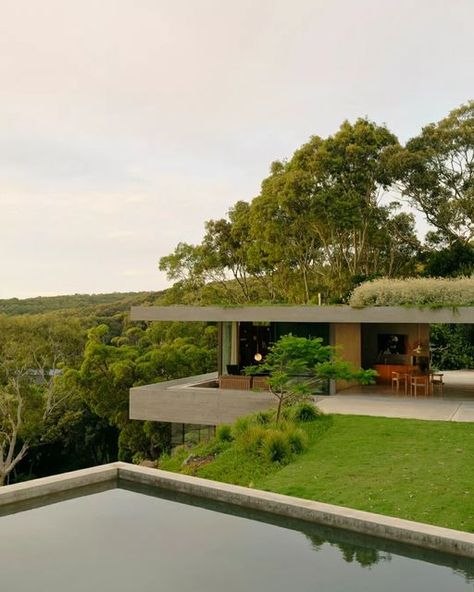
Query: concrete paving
(431,408)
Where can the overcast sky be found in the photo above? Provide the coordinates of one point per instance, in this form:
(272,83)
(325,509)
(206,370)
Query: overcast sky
(125,124)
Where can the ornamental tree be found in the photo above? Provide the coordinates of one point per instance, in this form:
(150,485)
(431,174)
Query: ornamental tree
(297,365)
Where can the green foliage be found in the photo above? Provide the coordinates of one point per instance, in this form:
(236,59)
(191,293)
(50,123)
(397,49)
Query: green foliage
(316,225)
(304,412)
(320,224)
(297,365)
(452,346)
(437,174)
(430,292)
(254,438)
(241,426)
(76,373)
(33,353)
(75,303)
(224,433)
(265,417)
(276,446)
(297,439)
(144,440)
(257,448)
(453,261)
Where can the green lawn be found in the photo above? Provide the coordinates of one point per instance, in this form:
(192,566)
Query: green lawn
(419,470)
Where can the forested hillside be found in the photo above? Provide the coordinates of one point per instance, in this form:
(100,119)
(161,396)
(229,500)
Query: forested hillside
(76,302)
(65,373)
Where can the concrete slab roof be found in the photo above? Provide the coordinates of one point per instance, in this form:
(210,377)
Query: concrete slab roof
(304,314)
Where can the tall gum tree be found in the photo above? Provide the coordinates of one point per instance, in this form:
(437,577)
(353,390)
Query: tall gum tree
(436,173)
(320,215)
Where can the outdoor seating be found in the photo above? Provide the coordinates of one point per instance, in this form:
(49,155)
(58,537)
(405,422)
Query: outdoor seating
(437,381)
(241,383)
(398,377)
(420,381)
(260,383)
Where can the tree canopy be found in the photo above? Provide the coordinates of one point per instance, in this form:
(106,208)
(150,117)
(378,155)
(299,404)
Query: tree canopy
(321,224)
(436,172)
(332,217)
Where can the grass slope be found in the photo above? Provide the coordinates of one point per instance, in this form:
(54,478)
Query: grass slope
(419,470)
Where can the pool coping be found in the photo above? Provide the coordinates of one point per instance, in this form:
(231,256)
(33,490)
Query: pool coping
(386,527)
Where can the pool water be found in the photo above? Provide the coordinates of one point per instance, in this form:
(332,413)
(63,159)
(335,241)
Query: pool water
(137,541)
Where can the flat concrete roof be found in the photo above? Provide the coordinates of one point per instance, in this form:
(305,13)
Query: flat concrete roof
(304,314)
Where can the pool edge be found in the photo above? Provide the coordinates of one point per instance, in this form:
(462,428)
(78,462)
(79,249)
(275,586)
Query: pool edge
(454,542)
(437,538)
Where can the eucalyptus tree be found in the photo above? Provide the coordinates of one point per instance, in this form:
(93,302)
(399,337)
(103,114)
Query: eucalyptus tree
(33,353)
(321,217)
(322,221)
(436,172)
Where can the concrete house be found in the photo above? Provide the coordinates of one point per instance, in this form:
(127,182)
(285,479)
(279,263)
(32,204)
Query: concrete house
(388,339)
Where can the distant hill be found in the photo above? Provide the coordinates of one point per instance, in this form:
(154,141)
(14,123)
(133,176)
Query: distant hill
(116,301)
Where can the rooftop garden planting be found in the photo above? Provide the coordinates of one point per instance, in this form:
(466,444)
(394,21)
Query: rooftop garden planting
(422,292)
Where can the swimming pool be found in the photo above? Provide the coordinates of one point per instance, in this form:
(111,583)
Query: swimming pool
(139,539)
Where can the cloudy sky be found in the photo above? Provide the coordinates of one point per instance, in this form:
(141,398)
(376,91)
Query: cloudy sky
(125,124)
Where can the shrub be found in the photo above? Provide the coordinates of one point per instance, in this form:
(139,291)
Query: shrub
(254,438)
(224,433)
(305,412)
(429,292)
(276,446)
(297,440)
(241,425)
(264,417)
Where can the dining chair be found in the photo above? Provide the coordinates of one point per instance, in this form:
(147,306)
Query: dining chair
(396,378)
(436,379)
(420,381)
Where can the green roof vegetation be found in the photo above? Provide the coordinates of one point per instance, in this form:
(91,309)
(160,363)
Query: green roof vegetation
(421,292)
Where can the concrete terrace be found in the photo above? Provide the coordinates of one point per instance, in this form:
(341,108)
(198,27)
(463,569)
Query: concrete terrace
(428,408)
(456,404)
(182,401)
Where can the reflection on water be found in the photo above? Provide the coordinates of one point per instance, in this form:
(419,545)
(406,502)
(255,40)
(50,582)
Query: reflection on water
(364,556)
(366,551)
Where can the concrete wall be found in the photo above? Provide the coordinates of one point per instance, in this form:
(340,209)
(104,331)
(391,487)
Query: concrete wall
(180,402)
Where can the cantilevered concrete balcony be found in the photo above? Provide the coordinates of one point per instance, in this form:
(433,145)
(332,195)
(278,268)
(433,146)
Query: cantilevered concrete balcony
(195,400)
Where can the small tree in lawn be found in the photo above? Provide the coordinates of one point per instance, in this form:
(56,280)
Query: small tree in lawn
(296,365)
